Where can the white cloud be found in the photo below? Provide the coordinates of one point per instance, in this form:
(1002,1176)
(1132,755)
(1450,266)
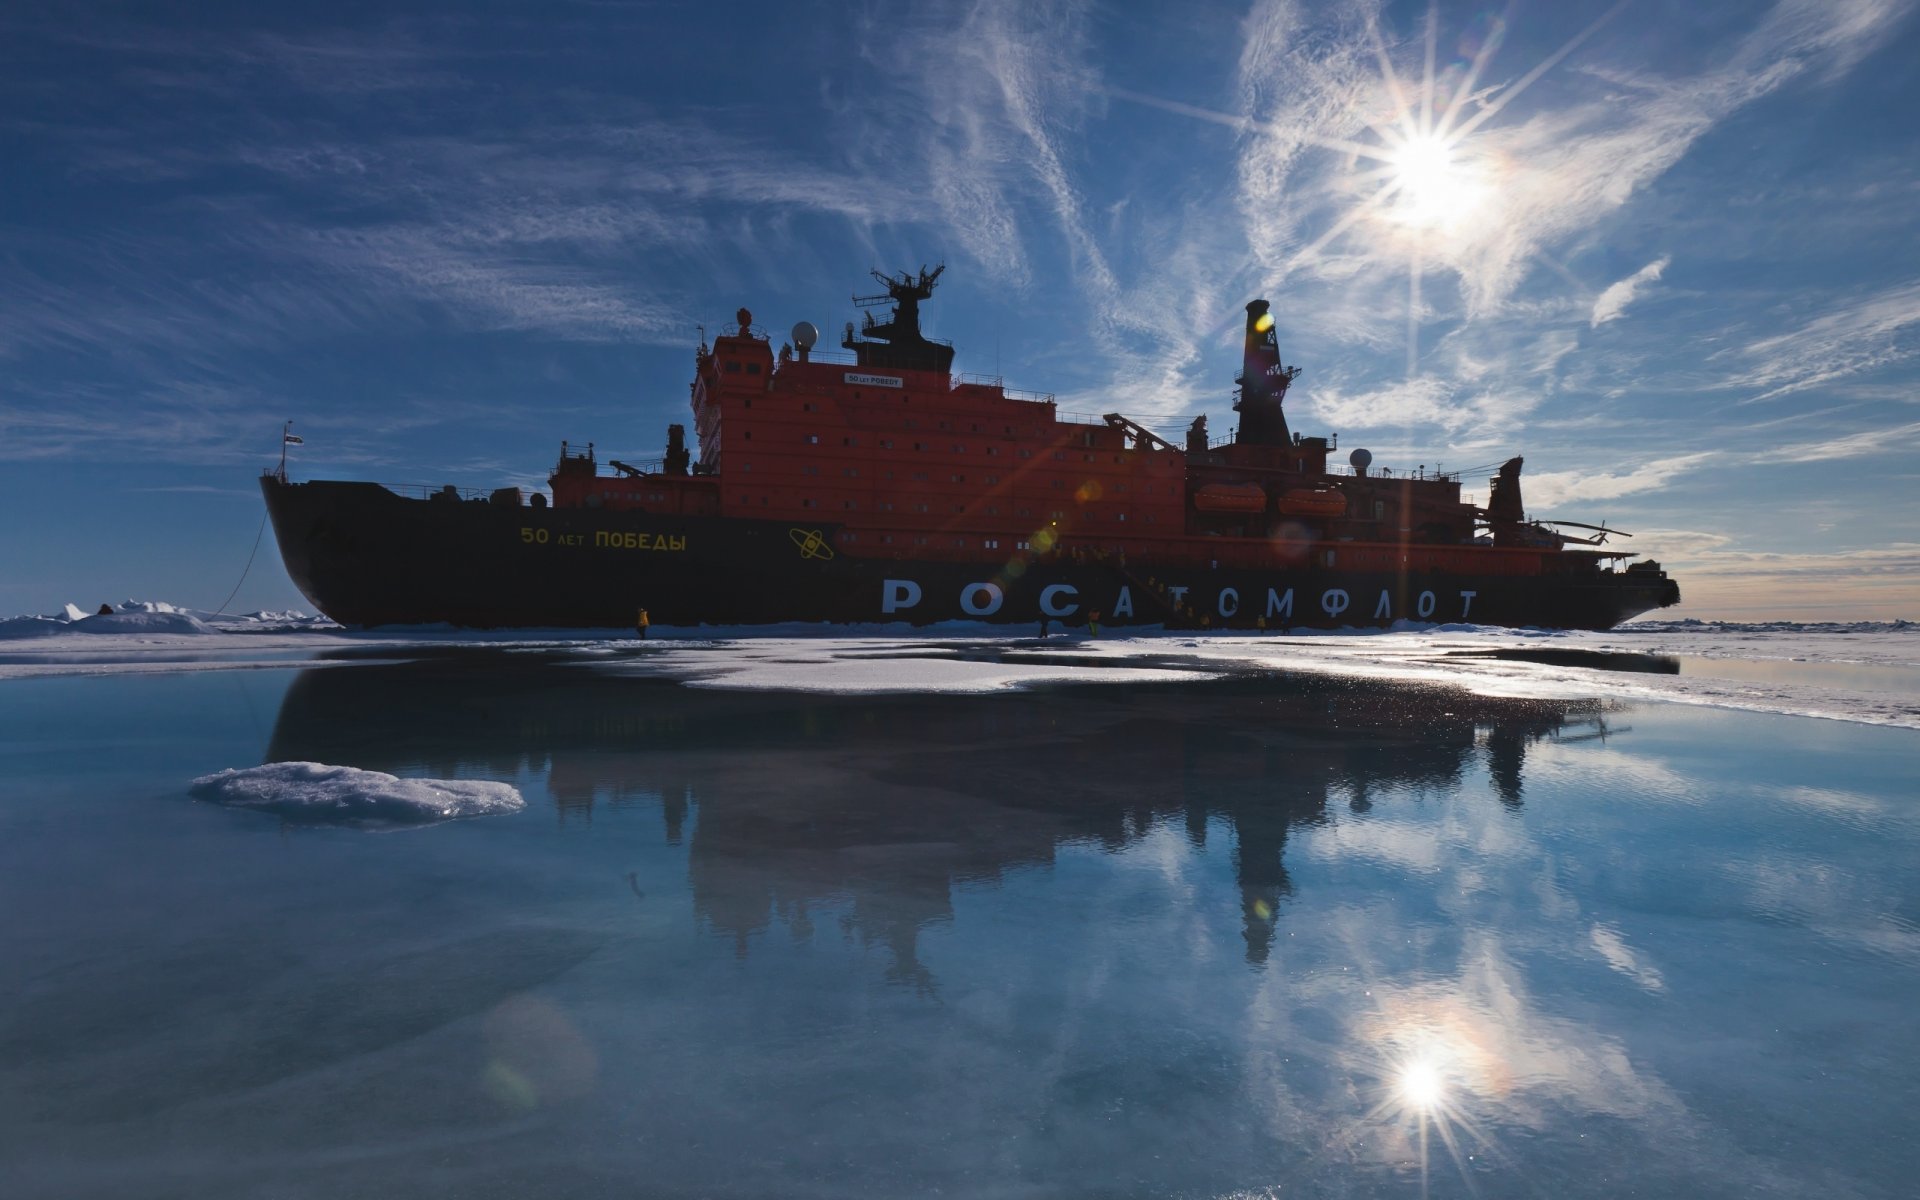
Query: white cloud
(1612,303)
(1856,337)
(1557,487)
(1900,440)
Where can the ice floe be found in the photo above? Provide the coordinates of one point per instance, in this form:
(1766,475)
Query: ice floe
(323,794)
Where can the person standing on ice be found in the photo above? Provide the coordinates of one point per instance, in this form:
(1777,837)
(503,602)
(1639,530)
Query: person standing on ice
(1093,623)
(640,623)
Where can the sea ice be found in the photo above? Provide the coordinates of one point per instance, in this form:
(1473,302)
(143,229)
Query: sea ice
(325,794)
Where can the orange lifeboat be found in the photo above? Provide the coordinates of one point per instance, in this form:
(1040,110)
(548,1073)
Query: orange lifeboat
(1313,502)
(1231,497)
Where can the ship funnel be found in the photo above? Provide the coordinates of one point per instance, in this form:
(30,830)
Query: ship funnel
(1263,382)
(1504,504)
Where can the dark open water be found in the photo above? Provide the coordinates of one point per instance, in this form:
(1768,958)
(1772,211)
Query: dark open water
(1257,937)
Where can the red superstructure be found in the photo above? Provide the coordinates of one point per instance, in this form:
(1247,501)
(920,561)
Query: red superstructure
(912,461)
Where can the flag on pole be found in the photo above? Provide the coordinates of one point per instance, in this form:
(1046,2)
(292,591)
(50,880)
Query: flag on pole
(294,439)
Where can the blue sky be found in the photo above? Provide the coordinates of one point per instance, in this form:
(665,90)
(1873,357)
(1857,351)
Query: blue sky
(1666,251)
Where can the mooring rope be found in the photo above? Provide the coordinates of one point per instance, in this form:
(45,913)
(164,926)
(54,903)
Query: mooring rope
(243,572)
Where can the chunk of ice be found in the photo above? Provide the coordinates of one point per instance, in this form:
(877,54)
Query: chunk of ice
(325,794)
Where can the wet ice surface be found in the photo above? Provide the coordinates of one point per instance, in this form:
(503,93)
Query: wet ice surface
(1862,672)
(1217,932)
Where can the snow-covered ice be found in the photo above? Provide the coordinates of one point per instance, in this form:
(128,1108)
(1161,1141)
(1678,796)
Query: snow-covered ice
(1867,672)
(325,794)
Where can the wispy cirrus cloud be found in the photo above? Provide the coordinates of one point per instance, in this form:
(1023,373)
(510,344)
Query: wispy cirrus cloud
(1852,338)
(1901,439)
(1548,488)
(1612,303)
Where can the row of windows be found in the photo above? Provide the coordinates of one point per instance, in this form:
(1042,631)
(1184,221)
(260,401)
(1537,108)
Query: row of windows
(1059,484)
(921,539)
(958,509)
(813,439)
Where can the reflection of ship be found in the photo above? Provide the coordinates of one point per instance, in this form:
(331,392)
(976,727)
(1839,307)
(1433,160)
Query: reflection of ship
(883,805)
(880,486)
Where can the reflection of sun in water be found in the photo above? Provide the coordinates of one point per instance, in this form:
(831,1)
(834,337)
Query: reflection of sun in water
(1420,1085)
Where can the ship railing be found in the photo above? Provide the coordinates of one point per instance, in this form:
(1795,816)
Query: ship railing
(1036,398)
(753,331)
(1389,473)
(1000,382)
(428,491)
(1079,418)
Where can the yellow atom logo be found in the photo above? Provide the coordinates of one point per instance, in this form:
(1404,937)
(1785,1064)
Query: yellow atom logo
(811,544)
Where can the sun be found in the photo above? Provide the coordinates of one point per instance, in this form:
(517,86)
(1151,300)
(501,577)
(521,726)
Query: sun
(1433,186)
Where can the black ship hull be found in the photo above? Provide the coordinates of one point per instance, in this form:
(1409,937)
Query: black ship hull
(366,556)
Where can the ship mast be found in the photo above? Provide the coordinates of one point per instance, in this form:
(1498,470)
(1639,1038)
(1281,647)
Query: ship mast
(897,343)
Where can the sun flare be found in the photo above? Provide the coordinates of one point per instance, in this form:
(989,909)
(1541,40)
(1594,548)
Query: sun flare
(1433,187)
(1420,1086)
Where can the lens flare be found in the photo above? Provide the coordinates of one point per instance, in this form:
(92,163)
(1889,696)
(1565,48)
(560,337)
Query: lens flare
(1421,1086)
(1433,187)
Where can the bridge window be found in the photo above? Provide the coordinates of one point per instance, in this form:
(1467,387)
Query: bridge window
(959,478)
(853,472)
(813,439)
(747,434)
(753,368)
(991,543)
(806,504)
(849,504)
(886,539)
(1026,453)
(993,449)
(1021,546)
(1329,558)
(886,443)
(732,367)
(960,543)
